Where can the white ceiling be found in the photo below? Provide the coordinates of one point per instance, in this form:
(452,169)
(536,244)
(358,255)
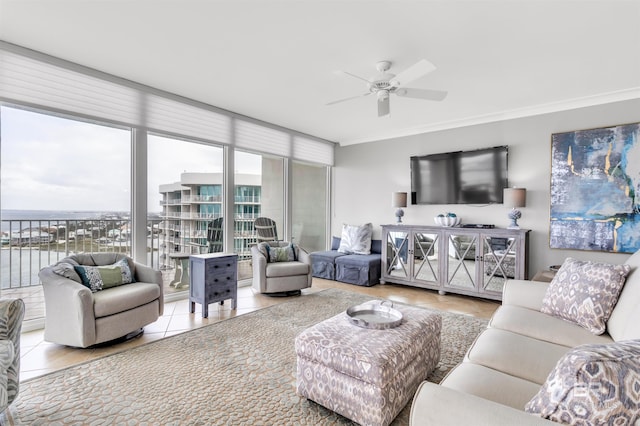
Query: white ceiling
(275,60)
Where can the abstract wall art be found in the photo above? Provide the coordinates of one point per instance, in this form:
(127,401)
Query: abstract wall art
(595,189)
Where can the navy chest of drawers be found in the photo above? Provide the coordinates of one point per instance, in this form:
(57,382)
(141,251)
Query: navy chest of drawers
(214,278)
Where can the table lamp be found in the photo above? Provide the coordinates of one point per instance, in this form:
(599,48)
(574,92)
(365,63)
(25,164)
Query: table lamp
(399,200)
(514,197)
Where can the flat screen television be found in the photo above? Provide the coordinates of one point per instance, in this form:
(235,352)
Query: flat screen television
(462,177)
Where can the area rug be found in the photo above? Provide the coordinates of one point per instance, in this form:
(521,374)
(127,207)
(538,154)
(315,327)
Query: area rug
(240,371)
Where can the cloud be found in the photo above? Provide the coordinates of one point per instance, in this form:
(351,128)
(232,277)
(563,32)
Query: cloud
(52,163)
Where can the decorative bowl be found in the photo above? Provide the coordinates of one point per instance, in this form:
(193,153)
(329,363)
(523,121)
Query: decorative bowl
(447,220)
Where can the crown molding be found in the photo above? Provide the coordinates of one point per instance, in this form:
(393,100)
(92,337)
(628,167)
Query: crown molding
(566,105)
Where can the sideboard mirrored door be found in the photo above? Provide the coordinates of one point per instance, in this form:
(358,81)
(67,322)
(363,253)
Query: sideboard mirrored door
(397,254)
(499,256)
(462,261)
(426,256)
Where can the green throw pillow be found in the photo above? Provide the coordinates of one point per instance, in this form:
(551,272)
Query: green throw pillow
(111,276)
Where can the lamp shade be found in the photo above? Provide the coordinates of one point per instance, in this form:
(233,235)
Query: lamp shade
(515,197)
(399,199)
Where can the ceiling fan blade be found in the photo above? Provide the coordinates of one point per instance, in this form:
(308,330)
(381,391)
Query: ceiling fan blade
(348,99)
(431,95)
(414,72)
(354,76)
(383,106)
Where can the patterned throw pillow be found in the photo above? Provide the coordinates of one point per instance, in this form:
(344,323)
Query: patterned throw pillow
(282,254)
(98,278)
(356,239)
(127,273)
(593,385)
(585,293)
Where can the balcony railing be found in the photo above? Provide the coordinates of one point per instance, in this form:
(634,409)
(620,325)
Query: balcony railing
(171,201)
(247,199)
(204,198)
(30,245)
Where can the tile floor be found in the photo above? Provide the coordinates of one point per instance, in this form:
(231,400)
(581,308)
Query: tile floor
(39,357)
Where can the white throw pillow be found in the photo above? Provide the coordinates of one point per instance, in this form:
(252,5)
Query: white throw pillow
(356,239)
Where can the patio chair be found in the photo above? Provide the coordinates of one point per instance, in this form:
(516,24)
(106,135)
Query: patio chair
(215,235)
(181,259)
(265,229)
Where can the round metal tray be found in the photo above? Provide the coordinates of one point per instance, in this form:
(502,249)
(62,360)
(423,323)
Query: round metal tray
(378,315)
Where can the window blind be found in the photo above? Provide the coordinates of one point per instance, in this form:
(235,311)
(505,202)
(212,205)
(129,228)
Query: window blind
(312,150)
(32,79)
(36,83)
(263,139)
(184,119)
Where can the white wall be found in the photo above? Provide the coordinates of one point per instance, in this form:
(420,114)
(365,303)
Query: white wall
(365,175)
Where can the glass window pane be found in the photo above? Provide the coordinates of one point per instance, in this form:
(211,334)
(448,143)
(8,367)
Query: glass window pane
(309,214)
(66,188)
(185,204)
(259,192)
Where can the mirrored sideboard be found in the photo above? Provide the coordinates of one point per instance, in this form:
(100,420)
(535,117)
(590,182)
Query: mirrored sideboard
(470,261)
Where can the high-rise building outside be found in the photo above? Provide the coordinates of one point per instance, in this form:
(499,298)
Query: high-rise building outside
(191,207)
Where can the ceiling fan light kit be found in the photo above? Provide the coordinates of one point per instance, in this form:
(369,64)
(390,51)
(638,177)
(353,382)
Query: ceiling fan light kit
(386,83)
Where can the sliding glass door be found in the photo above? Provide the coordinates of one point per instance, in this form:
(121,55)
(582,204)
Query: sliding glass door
(259,192)
(309,205)
(185,203)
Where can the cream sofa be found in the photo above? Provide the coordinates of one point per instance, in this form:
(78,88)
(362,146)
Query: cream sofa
(510,361)
(76,316)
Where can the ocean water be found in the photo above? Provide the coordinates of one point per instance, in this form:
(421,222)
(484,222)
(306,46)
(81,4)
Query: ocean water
(19,266)
(53,215)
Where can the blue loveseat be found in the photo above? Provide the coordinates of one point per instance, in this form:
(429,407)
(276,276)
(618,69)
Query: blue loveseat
(358,269)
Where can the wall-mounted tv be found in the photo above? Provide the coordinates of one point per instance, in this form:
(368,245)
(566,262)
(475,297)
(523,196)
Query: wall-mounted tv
(463,177)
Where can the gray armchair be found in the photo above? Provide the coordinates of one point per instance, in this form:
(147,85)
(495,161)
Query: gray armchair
(280,277)
(76,316)
(11,315)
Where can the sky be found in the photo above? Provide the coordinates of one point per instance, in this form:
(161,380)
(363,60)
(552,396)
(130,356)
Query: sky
(50,163)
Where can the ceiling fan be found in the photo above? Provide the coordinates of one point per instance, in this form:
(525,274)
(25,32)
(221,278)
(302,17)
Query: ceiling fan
(386,83)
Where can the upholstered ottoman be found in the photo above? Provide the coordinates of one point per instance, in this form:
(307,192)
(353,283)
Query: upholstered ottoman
(359,269)
(367,375)
(323,263)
